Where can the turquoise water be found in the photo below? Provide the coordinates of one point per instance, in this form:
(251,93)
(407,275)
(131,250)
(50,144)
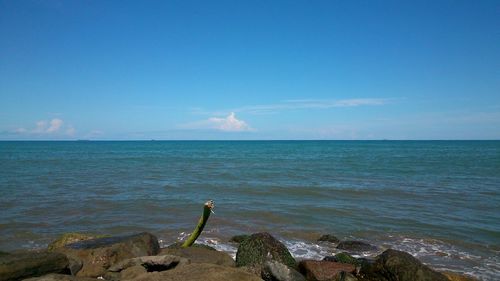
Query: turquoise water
(439,200)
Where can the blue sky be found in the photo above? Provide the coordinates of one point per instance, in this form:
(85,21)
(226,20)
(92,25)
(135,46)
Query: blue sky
(249,69)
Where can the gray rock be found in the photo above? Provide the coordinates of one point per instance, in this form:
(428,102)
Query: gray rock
(97,255)
(355,246)
(31,264)
(275,271)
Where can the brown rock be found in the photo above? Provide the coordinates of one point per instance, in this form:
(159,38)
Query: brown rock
(59,277)
(200,255)
(199,272)
(323,270)
(31,264)
(97,255)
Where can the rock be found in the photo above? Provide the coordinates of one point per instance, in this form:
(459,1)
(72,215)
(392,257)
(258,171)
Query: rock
(132,272)
(97,255)
(275,271)
(178,245)
(71,237)
(343,258)
(355,246)
(329,238)
(31,264)
(398,265)
(324,270)
(261,247)
(344,276)
(199,272)
(200,255)
(453,276)
(150,263)
(3,253)
(59,277)
(239,238)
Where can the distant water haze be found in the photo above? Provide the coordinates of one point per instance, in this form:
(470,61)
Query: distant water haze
(439,200)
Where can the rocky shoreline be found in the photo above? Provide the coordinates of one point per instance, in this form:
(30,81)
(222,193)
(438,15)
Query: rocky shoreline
(260,256)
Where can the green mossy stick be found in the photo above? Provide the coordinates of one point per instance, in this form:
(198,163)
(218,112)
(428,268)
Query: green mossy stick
(207,209)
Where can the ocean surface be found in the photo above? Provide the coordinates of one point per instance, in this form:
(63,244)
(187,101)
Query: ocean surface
(438,200)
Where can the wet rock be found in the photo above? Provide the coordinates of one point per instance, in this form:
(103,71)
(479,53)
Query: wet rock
(343,258)
(398,265)
(324,270)
(200,255)
(97,255)
(329,238)
(71,237)
(275,271)
(59,277)
(355,246)
(453,276)
(31,264)
(260,248)
(199,272)
(239,238)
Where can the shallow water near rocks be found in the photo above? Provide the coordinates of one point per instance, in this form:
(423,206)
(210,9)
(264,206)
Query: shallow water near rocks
(438,200)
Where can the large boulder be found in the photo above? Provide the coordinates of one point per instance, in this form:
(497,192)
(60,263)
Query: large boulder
(324,270)
(200,255)
(31,264)
(355,246)
(275,271)
(260,248)
(401,266)
(199,272)
(97,255)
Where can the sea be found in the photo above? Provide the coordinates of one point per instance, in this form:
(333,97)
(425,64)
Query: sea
(438,200)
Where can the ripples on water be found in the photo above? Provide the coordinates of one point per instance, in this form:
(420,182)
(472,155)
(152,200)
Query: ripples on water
(438,200)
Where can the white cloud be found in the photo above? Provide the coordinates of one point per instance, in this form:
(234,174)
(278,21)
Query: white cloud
(55,125)
(228,124)
(47,127)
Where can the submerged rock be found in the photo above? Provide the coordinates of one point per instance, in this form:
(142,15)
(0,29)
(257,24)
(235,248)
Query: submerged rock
(398,265)
(239,238)
(199,272)
(324,270)
(260,248)
(328,238)
(71,237)
(276,271)
(31,264)
(200,255)
(97,255)
(355,246)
